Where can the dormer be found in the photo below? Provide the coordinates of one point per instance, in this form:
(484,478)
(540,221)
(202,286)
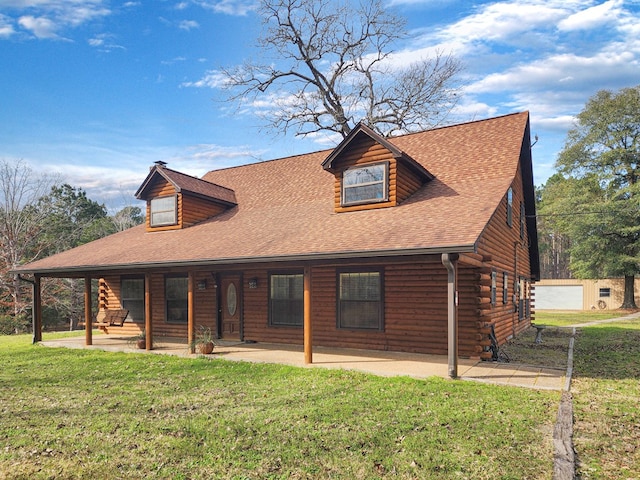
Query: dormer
(371,172)
(175,200)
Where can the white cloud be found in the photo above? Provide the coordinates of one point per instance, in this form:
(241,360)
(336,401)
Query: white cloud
(45,19)
(560,71)
(593,17)
(6,26)
(211,79)
(41,27)
(228,7)
(188,25)
(104,42)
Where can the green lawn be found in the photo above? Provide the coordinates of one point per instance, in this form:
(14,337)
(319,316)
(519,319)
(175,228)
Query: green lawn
(565,318)
(606,393)
(90,414)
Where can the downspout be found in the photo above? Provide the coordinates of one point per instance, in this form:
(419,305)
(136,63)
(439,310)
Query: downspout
(516,285)
(449,261)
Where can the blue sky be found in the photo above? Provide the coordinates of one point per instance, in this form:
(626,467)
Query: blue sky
(97,90)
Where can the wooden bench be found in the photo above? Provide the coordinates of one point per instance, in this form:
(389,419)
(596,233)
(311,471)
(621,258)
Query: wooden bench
(112,318)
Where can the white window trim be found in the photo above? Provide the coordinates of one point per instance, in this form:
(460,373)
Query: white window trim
(174,210)
(385,186)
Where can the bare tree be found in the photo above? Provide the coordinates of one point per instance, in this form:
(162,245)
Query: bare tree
(337,69)
(20,223)
(128,217)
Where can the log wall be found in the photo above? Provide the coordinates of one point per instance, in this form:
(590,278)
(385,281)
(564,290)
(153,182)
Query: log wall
(206,307)
(507,252)
(415,311)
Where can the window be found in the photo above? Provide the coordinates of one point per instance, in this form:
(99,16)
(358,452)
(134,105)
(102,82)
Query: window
(286,299)
(510,206)
(494,281)
(164,211)
(605,292)
(176,291)
(505,288)
(522,220)
(365,184)
(132,298)
(360,300)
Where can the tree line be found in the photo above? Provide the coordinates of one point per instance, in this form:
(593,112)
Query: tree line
(41,216)
(589,211)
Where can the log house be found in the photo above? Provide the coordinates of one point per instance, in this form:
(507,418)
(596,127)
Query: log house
(420,243)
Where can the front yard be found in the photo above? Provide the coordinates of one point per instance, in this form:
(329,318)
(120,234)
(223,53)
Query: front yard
(88,414)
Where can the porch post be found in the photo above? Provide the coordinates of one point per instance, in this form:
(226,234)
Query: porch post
(449,261)
(148,325)
(36,310)
(308,344)
(190,315)
(88,316)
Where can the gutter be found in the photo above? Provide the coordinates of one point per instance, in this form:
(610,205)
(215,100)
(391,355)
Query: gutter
(60,271)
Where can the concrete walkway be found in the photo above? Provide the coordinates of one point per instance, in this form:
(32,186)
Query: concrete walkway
(378,363)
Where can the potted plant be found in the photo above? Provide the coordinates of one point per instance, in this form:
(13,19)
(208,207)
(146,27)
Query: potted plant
(204,340)
(139,341)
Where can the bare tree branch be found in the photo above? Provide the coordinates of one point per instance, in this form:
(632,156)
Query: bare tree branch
(337,71)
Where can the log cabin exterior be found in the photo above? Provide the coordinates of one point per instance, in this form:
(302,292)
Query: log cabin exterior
(418,243)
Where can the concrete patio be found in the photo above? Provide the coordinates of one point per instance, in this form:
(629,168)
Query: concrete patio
(378,363)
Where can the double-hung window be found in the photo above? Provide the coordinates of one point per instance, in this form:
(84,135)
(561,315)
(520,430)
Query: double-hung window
(510,206)
(132,298)
(286,299)
(366,184)
(360,300)
(164,211)
(505,288)
(176,291)
(494,286)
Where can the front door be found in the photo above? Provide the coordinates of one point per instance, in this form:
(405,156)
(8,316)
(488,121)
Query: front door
(231,315)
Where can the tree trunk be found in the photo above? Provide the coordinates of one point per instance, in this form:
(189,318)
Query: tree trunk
(629,293)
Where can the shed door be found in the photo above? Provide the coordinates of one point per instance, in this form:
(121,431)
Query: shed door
(231,315)
(558,297)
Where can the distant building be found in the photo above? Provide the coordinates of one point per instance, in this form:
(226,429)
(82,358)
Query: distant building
(574,294)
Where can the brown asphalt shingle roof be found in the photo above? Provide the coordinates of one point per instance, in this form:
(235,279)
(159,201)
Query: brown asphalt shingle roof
(285,208)
(187,183)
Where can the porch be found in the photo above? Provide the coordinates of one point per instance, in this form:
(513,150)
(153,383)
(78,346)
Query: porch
(374,362)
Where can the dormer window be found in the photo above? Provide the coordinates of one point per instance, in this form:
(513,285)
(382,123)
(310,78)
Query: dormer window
(164,211)
(364,164)
(366,184)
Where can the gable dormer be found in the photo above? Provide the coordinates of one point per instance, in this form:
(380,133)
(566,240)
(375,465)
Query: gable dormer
(371,172)
(175,200)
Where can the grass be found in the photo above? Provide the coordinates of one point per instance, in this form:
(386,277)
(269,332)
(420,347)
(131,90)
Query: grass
(91,414)
(567,318)
(552,352)
(606,389)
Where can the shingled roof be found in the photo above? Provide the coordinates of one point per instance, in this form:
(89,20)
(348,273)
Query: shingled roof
(285,208)
(187,183)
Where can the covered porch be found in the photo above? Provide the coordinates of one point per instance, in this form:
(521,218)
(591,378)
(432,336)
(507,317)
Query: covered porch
(375,362)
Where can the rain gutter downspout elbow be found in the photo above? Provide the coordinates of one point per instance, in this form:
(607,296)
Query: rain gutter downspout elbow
(449,261)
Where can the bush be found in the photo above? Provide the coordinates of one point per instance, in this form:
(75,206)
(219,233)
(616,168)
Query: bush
(10,325)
